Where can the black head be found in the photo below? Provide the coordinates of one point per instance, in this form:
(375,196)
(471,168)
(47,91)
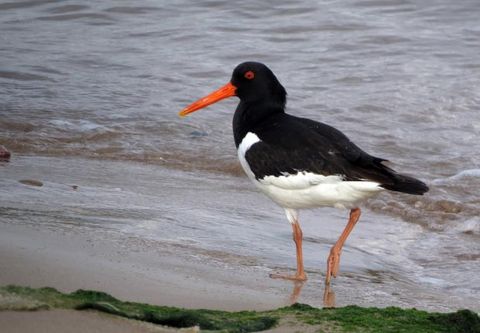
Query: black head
(261,96)
(253,82)
(256,83)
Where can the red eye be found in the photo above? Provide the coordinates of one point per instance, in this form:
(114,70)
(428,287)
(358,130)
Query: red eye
(249,75)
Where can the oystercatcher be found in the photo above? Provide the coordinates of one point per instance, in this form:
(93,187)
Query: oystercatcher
(300,163)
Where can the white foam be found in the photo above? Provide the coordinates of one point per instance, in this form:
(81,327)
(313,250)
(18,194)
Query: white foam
(464,174)
(82,125)
(468,226)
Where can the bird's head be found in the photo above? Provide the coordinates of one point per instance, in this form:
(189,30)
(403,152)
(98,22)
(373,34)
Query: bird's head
(252,82)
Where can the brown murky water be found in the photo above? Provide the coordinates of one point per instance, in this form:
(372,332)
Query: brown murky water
(89,95)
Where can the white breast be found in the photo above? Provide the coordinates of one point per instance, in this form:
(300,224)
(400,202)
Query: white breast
(249,140)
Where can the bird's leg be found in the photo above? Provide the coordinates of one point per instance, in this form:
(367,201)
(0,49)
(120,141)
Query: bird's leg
(333,261)
(297,238)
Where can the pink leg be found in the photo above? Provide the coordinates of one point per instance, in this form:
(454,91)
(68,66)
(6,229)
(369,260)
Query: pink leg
(333,261)
(300,274)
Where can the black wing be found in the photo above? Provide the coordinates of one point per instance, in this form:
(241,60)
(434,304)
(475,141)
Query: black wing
(290,145)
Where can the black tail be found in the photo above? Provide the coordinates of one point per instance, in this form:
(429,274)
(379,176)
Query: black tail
(406,184)
(374,168)
(393,181)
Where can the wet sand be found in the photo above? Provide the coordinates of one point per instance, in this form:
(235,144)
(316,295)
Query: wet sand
(33,257)
(70,321)
(143,273)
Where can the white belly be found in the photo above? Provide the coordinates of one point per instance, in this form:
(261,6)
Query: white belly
(334,192)
(308,190)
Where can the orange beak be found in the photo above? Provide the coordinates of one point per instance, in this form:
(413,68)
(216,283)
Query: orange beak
(227,90)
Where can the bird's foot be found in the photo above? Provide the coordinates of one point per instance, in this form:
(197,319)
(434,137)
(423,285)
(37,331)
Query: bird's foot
(296,277)
(333,264)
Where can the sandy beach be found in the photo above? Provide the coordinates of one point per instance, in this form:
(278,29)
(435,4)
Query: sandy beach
(142,272)
(130,270)
(70,321)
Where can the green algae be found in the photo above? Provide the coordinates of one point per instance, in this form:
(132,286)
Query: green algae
(345,319)
(231,322)
(392,319)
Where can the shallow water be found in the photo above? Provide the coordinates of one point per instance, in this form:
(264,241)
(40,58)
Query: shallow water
(220,221)
(104,81)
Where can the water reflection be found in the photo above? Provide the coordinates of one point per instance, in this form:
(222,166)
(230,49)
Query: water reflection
(329,299)
(297,289)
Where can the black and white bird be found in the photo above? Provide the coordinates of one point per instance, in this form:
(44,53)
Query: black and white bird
(300,163)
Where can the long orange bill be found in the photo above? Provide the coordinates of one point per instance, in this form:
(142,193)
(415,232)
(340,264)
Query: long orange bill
(227,90)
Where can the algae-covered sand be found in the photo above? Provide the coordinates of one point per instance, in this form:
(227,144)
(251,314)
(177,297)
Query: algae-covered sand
(297,317)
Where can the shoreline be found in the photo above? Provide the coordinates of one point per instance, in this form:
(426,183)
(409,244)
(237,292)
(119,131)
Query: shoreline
(55,249)
(91,304)
(144,273)
(61,320)
(121,232)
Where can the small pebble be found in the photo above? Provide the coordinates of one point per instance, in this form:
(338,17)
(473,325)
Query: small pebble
(31,182)
(4,154)
(198,134)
